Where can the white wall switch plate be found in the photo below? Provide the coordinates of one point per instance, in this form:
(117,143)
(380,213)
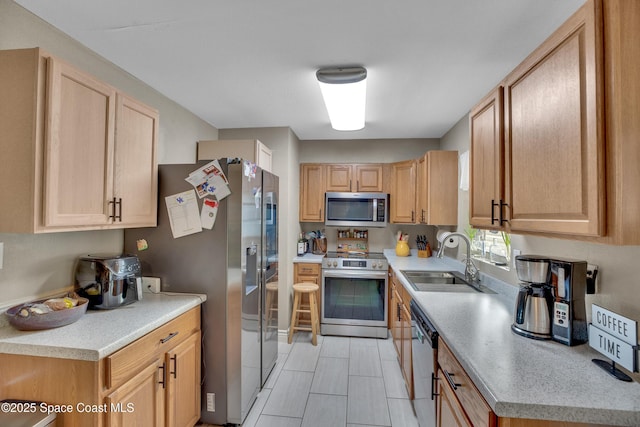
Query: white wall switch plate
(1,254)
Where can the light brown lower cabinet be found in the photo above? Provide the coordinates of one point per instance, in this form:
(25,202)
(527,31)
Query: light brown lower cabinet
(460,404)
(400,326)
(154,381)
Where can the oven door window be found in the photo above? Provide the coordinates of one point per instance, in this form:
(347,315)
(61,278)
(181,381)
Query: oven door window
(354,301)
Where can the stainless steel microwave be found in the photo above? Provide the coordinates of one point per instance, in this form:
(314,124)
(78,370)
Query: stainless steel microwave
(356,209)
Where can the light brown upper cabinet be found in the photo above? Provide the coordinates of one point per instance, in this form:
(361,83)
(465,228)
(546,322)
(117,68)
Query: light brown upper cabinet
(356,178)
(402,198)
(486,169)
(136,167)
(554,132)
(553,138)
(77,155)
(312,189)
(437,188)
(248,149)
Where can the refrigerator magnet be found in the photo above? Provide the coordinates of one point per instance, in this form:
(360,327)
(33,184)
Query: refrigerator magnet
(208,213)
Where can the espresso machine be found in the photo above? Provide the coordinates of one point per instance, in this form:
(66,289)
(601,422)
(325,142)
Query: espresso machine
(532,316)
(569,320)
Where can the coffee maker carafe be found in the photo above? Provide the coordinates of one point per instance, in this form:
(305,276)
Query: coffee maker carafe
(533,315)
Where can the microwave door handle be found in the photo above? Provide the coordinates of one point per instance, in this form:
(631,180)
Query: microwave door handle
(375,210)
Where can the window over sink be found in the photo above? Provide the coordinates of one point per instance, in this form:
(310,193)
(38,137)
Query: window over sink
(490,246)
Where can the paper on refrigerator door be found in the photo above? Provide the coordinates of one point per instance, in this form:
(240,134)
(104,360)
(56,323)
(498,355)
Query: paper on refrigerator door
(183,213)
(208,213)
(209,180)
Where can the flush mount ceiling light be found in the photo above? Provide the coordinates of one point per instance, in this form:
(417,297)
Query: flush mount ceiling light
(344,90)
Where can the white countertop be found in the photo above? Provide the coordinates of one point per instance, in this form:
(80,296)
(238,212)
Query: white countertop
(99,332)
(310,258)
(520,377)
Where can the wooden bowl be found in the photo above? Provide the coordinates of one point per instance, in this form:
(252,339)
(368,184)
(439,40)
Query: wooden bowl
(53,319)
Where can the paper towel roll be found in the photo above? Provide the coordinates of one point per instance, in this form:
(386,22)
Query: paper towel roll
(450,242)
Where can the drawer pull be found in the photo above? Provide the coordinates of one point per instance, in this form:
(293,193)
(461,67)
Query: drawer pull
(175,366)
(452,383)
(168,337)
(163,376)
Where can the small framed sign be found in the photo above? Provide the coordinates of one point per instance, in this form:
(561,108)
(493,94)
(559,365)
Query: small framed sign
(615,337)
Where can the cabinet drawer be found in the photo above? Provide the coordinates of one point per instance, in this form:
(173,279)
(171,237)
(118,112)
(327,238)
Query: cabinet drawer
(308,269)
(124,363)
(474,405)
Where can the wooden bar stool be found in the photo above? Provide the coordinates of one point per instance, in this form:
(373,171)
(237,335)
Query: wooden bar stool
(299,291)
(271,305)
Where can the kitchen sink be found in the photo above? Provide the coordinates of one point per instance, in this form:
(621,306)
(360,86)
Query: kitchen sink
(441,281)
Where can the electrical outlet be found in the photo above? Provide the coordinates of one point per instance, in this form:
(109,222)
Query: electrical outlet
(151,284)
(211,402)
(514,254)
(592,279)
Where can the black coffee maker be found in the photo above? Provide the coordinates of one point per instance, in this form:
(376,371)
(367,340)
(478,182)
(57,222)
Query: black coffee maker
(569,320)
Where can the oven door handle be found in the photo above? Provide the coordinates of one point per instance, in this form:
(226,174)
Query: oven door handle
(378,274)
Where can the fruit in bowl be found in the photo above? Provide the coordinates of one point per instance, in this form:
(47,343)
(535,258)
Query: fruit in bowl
(47,314)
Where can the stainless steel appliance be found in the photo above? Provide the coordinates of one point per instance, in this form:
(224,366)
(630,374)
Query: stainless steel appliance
(532,316)
(424,352)
(569,281)
(356,209)
(232,264)
(109,281)
(354,295)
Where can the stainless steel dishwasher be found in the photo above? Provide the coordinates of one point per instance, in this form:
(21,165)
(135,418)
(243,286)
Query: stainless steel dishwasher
(424,351)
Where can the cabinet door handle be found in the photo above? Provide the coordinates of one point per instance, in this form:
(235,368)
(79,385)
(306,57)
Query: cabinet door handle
(175,366)
(120,209)
(434,378)
(422,220)
(349,186)
(413,216)
(112,203)
(493,206)
(503,205)
(399,313)
(168,337)
(358,185)
(163,376)
(449,378)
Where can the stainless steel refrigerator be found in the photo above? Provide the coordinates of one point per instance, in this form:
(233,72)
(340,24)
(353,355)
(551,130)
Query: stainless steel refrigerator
(236,265)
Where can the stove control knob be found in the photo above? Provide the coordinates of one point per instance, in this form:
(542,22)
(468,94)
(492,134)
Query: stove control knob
(335,263)
(379,264)
(373,265)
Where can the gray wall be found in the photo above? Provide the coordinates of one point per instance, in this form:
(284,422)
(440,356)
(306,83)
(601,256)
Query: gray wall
(619,286)
(39,265)
(365,150)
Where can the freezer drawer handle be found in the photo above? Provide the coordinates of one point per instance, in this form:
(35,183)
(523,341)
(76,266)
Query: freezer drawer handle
(168,337)
(452,383)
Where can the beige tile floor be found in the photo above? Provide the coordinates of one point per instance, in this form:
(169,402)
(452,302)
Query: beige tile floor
(341,382)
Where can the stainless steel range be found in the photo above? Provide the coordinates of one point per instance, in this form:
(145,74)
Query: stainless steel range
(354,295)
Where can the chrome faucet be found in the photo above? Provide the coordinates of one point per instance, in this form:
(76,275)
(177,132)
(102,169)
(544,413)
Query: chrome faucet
(471,272)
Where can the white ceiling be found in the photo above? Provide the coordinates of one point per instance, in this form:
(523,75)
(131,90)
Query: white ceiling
(252,63)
